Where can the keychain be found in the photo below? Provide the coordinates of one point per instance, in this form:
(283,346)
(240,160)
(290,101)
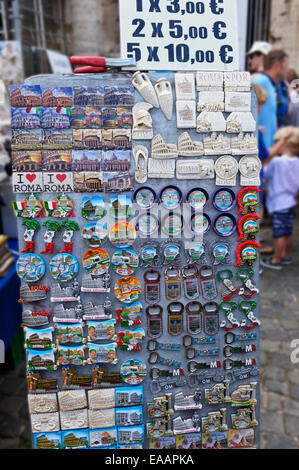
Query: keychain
(153,345)
(152,286)
(31,227)
(175,318)
(208,283)
(228,364)
(211,318)
(172,282)
(225,276)
(192,353)
(231,338)
(190,341)
(190,279)
(154,321)
(229,351)
(193,366)
(155,358)
(194,320)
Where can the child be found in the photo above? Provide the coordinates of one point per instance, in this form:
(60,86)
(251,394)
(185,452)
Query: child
(282,173)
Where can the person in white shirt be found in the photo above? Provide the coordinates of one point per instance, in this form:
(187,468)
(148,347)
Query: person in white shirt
(282,174)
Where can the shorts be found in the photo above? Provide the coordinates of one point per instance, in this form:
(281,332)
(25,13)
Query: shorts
(282,223)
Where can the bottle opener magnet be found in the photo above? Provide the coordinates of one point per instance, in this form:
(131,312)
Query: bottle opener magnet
(226,277)
(175,318)
(154,321)
(211,318)
(194,320)
(190,278)
(208,283)
(152,286)
(172,276)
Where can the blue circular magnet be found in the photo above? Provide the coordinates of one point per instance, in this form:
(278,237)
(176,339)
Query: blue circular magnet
(225,225)
(224,200)
(197,198)
(200,223)
(144,197)
(171,197)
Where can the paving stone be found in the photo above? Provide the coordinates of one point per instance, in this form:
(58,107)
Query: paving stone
(274,373)
(274,402)
(293,376)
(292,425)
(290,406)
(276,387)
(269,345)
(272,423)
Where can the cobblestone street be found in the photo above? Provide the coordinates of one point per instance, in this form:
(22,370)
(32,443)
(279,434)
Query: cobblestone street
(280,378)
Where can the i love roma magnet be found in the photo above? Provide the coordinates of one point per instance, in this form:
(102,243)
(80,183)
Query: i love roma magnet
(27,182)
(58,182)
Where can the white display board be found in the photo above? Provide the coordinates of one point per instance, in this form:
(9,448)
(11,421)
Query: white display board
(180,34)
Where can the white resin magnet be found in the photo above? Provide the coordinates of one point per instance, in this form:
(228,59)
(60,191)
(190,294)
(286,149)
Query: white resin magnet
(185,86)
(142,122)
(186,114)
(140,154)
(165,98)
(210,122)
(226,169)
(145,87)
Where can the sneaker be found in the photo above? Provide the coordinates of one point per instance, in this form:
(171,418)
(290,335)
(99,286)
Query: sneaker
(286,261)
(267,263)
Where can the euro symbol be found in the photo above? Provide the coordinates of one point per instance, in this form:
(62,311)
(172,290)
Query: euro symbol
(224,50)
(214,5)
(217,30)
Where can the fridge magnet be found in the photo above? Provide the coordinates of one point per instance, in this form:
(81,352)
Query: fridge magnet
(161,168)
(250,169)
(61,182)
(40,360)
(171,251)
(77,117)
(131,340)
(191,402)
(188,425)
(237,102)
(247,253)
(211,101)
(53,228)
(70,227)
(57,97)
(89,160)
(64,267)
(88,139)
(92,117)
(194,318)
(190,281)
(115,161)
(26,139)
(215,421)
(38,339)
(172,275)
(71,380)
(210,122)
(128,396)
(240,122)
(170,197)
(173,224)
(226,169)
(92,283)
(154,321)
(77,419)
(26,161)
(188,441)
(93,208)
(184,86)
(208,287)
(118,95)
(122,235)
(124,118)
(125,262)
(144,197)
(101,418)
(175,312)
(120,207)
(130,315)
(142,122)
(76,439)
(27,182)
(149,255)
(35,319)
(25,96)
(140,154)
(101,331)
(26,118)
(121,139)
(214,440)
(241,439)
(46,403)
(60,207)
(186,114)
(100,376)
(65,294)
(94,234)
(96,261)
(68,334)
(109,118)
(118,181)
(196,253)
(200,224)
(129,416)
(244,418)
(102,353)
(147,224)
(189,148)
(127,289)
(88,96)
(30,294)
(70,355)
(47,440)
(39,385)
(209,81)
(195,169)
(161,150)
(237,81)
(97,312)
(88,181)
(30,267)
(107,139)
(165,98)
(248,227)
(248,200)
(30,207)
(72,400)
(46,422)
(225,225)
(133,371)
(224,200)
(131,435)
(103,438)
(31,227)
(57,139)
(67,315)
(217,144)
(152,286)
(55,118)
(163,443)
(244,144)
(101,399)
(144,86)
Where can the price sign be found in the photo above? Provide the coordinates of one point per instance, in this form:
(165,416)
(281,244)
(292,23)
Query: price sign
(180,34)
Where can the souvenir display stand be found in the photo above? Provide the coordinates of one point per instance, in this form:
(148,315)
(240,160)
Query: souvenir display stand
(140,266)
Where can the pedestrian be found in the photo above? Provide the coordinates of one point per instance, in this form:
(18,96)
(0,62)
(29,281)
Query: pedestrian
(282,174)
(256,56)
(275,72)
(293,83)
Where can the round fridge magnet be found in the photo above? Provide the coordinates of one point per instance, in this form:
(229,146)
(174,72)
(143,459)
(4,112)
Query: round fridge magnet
(96,261)
(171,197)
(122,235)
(144,197)
(200,224)
(127,289)
(30,267)
(173,224)
(125,262)
(147,224)
(224,200)
(197,198)
(133,371)
(225,225)
(94,234)
(64,267)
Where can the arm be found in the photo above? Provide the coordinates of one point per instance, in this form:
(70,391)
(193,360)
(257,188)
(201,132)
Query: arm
(274,151)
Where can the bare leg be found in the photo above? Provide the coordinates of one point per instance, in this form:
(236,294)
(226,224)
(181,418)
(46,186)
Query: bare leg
(289,247)
(279,249)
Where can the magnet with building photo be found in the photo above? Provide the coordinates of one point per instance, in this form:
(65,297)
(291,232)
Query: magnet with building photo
(26,161)
(118,181)
(55,139)
(88,181)
(57,160)
(59,97)
(55,118)
(86,160)
(87,139)
(117,160)
(25,118)
(124,117)
(93,117)
(118,95)
(77,117)
(25,96)
(88,96)
(26,139)
(109,120)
